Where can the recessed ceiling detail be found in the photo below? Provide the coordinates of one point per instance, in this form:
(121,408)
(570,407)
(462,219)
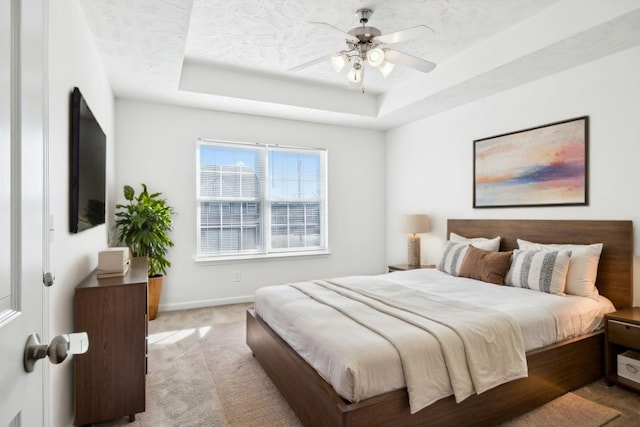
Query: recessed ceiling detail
(235,55)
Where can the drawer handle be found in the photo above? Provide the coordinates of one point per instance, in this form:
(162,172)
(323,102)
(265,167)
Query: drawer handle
(632,368)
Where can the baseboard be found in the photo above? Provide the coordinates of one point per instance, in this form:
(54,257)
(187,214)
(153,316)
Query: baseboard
(205,303)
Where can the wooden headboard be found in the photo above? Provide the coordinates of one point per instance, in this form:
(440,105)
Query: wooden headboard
(615,270)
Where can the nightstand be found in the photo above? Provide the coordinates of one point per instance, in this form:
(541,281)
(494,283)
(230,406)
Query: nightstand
(405,267)
(622,332)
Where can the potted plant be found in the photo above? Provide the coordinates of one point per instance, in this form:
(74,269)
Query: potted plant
(142,224)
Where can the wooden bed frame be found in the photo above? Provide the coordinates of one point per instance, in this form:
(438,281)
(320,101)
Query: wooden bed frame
(553,370)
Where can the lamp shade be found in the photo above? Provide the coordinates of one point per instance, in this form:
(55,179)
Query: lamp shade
(375,57)
(338,61)
(355,75)
(385,68)
(416,224)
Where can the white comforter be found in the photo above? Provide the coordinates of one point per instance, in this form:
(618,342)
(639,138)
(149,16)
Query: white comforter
(363,355)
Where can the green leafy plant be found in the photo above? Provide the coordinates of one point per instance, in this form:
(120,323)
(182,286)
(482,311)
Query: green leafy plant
(143,224)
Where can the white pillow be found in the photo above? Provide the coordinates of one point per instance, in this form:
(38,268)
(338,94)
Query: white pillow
(544,271)
(484,243)
(452,257)
(583,267)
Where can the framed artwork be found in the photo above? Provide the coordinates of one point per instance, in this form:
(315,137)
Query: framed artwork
(541,166)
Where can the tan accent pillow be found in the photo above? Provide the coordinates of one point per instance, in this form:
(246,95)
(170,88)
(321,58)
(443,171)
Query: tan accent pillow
(484,265)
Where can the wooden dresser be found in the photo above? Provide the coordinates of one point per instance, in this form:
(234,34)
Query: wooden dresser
(110,377)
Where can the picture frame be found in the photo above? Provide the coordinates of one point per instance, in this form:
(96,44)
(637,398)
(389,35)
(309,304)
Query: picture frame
(540,166)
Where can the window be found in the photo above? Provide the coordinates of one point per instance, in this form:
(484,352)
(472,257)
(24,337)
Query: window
(255,199)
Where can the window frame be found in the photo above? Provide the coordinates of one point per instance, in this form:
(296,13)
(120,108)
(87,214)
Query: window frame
(266,201)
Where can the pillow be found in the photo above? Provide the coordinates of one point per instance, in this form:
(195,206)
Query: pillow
(492,245)
(452,257)
(544,271)
(583,267)
(487,266)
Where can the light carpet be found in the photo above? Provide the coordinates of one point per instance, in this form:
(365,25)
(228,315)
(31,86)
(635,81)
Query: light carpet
(203,374)
(567,410)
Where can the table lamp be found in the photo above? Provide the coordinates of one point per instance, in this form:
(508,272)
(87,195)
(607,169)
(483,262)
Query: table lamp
(415,224)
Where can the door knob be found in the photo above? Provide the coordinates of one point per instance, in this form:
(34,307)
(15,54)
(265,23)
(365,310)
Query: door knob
(57,351)
(48,279)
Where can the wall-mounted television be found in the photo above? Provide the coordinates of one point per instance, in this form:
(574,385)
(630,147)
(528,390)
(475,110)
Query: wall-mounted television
(88,148)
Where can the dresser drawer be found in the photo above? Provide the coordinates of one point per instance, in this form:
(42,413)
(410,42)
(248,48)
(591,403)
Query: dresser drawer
(624,334)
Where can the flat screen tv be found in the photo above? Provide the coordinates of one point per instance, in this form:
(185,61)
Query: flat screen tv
(88,167)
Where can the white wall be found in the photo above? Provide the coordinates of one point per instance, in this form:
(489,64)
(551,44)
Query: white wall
(430,162)
(156,144)
(73,61)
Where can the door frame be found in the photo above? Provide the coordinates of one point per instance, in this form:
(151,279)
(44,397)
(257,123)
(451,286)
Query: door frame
(26,110)
(48,226)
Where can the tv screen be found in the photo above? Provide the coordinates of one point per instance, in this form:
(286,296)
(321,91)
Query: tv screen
(88,167)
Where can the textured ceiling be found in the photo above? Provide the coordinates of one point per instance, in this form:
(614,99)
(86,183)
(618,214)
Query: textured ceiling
(273,36)
(234,55)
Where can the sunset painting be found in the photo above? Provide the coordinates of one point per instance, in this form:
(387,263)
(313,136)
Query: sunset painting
(546,165)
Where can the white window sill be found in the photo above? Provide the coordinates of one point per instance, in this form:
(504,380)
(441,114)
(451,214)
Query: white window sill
(258,257)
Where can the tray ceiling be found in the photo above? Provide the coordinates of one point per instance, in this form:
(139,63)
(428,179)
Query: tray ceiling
(234,55)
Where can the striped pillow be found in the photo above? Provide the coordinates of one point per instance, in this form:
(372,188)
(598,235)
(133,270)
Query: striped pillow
(583,267)
(452,257)
(544,271)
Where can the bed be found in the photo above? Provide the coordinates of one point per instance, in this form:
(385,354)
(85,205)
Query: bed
(553,369)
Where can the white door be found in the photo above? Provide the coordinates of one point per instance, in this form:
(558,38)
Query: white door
(22,138)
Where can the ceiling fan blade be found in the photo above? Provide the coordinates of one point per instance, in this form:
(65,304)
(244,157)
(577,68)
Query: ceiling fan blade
(396,57)
(310,63)
(402,35)
(347,36)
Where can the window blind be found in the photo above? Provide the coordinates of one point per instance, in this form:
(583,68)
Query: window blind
(260,199)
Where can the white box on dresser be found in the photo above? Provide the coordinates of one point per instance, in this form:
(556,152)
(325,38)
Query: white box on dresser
(113,259)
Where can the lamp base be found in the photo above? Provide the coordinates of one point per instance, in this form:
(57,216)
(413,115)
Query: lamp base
(414,250)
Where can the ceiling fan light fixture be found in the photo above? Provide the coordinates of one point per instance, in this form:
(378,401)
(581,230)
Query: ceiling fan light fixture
(366,43)
(338,61)
(386,68)
(355,74)
(375,57)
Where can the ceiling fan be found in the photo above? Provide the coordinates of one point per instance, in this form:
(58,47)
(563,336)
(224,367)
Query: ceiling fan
(369,44)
